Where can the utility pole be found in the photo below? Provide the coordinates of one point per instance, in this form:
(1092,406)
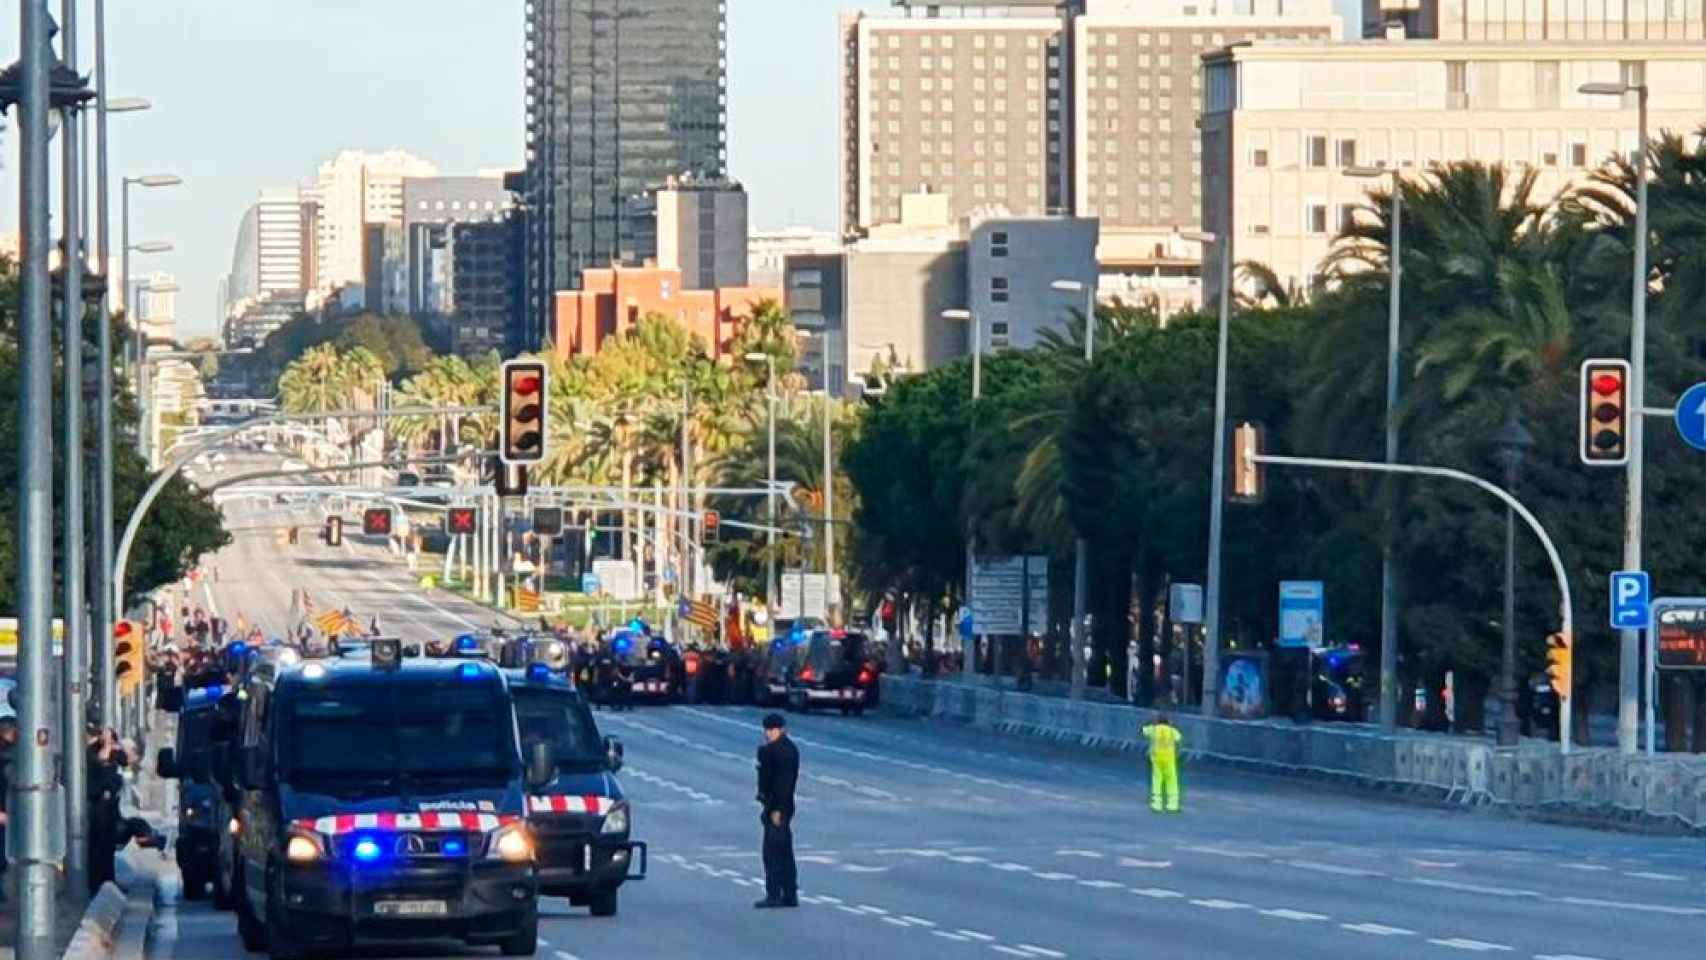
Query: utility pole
(104,613)
(33,798)
(831,596)
(74,668)
(687,561)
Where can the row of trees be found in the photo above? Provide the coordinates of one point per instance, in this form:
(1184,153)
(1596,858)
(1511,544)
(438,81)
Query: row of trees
(183,525)
(1504,294)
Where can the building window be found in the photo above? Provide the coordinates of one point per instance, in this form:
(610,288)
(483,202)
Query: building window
(1258,158)
(1578,154)
(1315,218)
(1347,217)
(1258,229)
(1347,153)
(998,243)
(1457,84)
(1315,152)
(998,289)
(1546,85)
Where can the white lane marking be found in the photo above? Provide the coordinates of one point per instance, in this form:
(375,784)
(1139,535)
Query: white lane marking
(975,935)
(1100,884)
(1434,864)
(1010,951)
(1223,852)
(1584,866)
(973,858)
(1056,876)
(1476,946)
(1377,929)
(1215,904)
(1298,915)
(1145,864)
(1471,887)
(917,921)
(950,936)
(877,911)
(826,898)
(814,858)
(1157,893)
(1009,867)
(566,955)
(1040,951)
(1650,875)
(860,868)
(1086,854)
(846,909)
(691,793)
(1643,907)
(1333,868)
(895,920)
(810,899)
(1562,956)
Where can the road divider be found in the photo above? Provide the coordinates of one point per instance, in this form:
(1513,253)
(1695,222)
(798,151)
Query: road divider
(1594,784)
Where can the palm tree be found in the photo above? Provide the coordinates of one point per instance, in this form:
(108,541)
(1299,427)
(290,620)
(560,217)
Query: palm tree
(314,382)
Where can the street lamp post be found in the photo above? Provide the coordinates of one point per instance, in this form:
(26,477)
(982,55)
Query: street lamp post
(968,668)
(1388,576)
(770,598)
(1217,480)
(831,598)
(1629,654)
(130,313)
(104,613)
(1081,549)
(1510,444)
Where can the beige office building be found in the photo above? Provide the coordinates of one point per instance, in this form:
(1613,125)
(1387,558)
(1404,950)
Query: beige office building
(1283,121)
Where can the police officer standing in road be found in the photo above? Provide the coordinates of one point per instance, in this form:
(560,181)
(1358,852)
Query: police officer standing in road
(778,769)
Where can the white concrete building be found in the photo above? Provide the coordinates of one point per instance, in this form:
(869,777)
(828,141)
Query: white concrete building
(157,310)
(767,251)
(356,189)
(1283,120)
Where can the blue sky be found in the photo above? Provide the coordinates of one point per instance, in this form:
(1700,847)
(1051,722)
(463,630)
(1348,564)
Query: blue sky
(255,93)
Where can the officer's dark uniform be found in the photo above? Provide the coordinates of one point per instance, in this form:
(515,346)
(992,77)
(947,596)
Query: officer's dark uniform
(778,769)
(104,785)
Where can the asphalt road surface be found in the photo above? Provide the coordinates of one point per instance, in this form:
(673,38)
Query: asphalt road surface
(918,840)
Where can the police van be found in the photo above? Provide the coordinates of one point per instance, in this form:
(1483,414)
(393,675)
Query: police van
(205,716)
(581,821)
(385,799)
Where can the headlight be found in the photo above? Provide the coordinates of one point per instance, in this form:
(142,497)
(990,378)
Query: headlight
(511,843)
(617,820)
(304,848)
(235,826)
(192,813)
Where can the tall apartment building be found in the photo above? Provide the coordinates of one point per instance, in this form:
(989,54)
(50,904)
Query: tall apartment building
(157,310)
(268,254)
(702,232)
(356,189)
(621,95)
(1086,108)
(1497,20)
(1284,120)
(431,206)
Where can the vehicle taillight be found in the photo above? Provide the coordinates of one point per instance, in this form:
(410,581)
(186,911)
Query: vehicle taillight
(806,674)
(692,664)
(865,676)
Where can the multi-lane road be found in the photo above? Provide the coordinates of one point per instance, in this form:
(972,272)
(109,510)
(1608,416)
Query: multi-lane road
(918,840)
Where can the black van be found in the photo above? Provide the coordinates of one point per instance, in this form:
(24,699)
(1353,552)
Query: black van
(581,821)
(206,722)
(383,800)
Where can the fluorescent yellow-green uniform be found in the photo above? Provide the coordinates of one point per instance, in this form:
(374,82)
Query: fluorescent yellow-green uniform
(1163,766)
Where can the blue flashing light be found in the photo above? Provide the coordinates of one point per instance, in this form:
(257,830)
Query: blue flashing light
(637,625)
(797,635)
(623,643)
(468,671)
(454,848)
(366,850)
(239,648)
(201,695)
(467,643)
(538,671)
(1335,661)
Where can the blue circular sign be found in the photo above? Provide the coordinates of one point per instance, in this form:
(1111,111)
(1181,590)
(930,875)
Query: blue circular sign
(1691,416)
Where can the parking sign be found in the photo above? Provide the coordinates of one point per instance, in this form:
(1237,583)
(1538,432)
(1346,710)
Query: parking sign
(1631,600)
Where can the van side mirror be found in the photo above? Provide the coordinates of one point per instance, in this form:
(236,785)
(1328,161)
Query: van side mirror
(166,764)
(541,765)
(613,753)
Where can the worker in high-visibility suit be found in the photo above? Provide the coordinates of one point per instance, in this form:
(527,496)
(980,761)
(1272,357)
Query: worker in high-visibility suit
(1163,739)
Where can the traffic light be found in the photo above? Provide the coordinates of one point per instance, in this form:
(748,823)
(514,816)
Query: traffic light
(1605,413)
(1558,653)
(376,521)
(522,412)
(711,523)
(1244,474)
(548,521)
(460,520)
(127,655)
(334,531)
(511,480)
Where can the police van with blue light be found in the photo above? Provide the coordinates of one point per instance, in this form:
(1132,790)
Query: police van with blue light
(582,824)
(206,722)
(385,799)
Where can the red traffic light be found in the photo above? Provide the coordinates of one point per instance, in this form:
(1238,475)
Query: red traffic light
(122,629)
(527,384)
(460,520)
(1605,411)
(376,521)
(522,417)
(1606,384)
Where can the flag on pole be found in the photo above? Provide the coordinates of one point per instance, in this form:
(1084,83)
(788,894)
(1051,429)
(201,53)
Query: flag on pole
(701,614)
(526,600)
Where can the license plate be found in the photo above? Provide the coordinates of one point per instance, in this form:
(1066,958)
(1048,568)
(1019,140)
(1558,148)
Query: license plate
(411,908)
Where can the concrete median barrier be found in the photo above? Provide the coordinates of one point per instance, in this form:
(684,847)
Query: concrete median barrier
(1592,784)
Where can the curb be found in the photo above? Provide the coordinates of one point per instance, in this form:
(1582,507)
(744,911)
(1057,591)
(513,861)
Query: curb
(117,923)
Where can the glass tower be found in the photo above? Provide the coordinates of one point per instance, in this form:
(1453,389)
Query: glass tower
(620,95)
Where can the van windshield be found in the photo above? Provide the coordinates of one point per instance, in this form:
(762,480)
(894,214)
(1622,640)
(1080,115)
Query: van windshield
(382,732)
(559,718)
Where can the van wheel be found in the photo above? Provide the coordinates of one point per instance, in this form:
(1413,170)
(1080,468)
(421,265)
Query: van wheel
(195,883)
(525,943)
(223,894)
(603,903)
(248,927)
(280,944)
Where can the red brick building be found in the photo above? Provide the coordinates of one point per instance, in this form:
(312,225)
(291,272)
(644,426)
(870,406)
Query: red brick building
(613,299)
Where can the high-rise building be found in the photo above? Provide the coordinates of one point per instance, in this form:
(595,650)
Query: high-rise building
(1283,122)
(485,283)
(356,189)
(702,232)
(1498,21)
(621,95)
(767,251)
(157,310)
(431,206)
(269,254)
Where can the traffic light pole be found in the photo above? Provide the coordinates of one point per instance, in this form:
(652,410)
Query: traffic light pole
(1564,603)
(1629,654)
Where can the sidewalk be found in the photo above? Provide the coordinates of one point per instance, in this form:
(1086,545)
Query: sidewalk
(67,914)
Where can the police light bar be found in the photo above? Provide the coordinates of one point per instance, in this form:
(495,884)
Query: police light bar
(204,695)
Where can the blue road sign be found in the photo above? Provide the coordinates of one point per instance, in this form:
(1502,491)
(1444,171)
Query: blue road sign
(589,583)
(1691,416)
(1302,613)
(1631,600)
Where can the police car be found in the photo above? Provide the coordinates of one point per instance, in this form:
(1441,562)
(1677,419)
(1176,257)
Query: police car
(206,720)
(385,800)
(581,821)
(829,670)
